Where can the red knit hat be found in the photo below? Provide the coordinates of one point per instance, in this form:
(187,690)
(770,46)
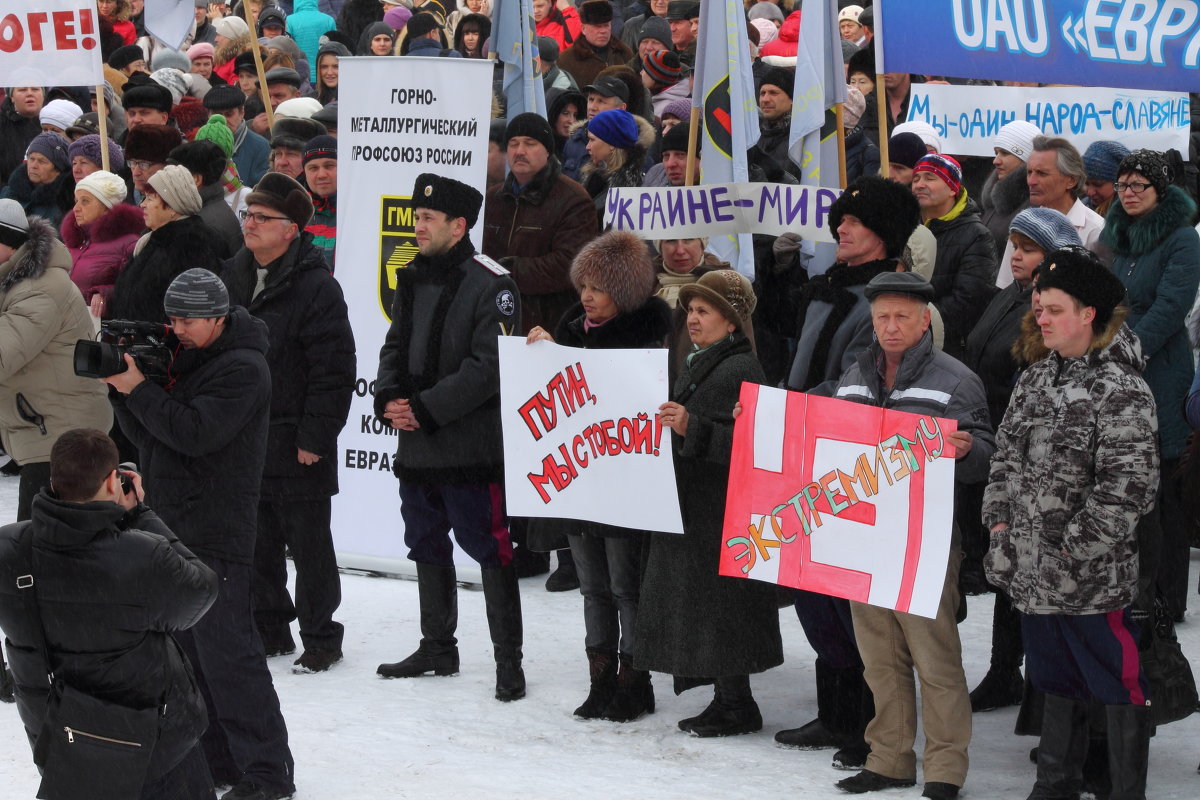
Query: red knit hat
(663,67)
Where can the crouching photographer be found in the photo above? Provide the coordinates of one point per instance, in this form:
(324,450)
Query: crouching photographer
(90,590)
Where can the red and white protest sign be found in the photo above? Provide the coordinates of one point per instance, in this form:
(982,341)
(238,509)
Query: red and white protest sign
(56,43)
(840,498)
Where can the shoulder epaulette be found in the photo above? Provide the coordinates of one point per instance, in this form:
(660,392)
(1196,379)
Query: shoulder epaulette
(490,264)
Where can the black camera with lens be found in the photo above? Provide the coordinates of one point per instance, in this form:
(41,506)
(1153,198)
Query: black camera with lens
(146,342)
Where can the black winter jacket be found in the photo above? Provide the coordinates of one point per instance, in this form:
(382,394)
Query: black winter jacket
(441,354)
(174,248)
(963,274)
(202,442)
(312,364)
(111,587)
(16,132)
(990,347)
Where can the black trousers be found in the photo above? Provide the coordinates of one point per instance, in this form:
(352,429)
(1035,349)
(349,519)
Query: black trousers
(187,780)
(301,526)
(246,733)
(34,478)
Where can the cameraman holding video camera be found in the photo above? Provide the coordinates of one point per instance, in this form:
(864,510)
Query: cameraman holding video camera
(202,442)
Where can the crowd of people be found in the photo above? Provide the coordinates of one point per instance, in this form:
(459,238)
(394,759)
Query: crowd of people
(1043,299)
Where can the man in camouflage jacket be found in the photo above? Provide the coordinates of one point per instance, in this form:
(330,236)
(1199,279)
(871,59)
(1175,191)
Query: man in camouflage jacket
(1076,467)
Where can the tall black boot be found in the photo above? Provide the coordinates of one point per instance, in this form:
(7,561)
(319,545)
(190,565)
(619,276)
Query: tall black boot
(854,755)
(1002,685)
(839,693)
(502,597)
(634,696)
(1128,750)
(602,667)
(438,651)
(1062,749)
(7,694)
(735,713)
(564,578)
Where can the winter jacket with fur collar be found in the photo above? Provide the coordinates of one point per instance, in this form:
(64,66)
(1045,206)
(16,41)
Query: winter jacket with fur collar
(42,316)
(1157,257)
(101,249)
(168,251)
(1000,201)
(1076,467)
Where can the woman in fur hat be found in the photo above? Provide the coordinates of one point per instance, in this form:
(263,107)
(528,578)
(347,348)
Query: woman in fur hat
(695,624)
(617,145)
(617,309)
(470,33)
(100,232)
(178,240)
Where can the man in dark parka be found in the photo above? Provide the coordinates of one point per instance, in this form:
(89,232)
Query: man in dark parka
(281,277)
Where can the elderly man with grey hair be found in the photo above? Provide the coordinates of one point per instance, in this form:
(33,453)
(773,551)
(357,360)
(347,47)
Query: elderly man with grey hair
(1056,176)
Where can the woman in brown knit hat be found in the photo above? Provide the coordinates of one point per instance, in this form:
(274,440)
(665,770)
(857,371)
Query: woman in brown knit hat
(617,309)
(695,624)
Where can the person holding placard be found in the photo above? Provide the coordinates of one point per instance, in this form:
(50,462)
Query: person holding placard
(439,385)
(617,309)
(1076,468)
(694,623)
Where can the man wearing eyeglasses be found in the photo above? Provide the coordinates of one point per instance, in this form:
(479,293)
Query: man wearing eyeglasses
(282,277)
(1056,176)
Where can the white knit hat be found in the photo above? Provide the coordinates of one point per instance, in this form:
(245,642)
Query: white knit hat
(1017,138)
(60,113)
(104,186)
(176,186)
(231,27)
(923,129)
(14,226)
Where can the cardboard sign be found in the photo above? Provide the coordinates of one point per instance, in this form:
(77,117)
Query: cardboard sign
(57,43)
(840,498)
(582,437)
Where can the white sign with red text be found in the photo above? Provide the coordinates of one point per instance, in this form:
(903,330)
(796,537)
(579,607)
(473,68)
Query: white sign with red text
(50,43)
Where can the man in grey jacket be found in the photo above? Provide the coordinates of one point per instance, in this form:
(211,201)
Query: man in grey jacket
(439,385)
(901,370)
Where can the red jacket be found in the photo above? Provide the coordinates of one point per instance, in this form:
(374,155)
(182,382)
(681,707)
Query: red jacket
(562,25)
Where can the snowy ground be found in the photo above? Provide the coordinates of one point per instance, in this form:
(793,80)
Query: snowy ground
(355,736)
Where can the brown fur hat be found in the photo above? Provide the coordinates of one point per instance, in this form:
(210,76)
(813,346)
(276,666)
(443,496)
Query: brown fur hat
(619,263)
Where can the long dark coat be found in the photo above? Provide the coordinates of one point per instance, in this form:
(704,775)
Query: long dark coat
(692,622)
(172,249)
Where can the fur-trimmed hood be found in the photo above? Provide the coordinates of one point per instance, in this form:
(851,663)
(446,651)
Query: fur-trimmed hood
(1114,343)
(232,49)
(1128,236)
(43,251)
(1006,195)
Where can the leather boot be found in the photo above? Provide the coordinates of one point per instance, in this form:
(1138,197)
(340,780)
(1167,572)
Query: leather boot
(602,666)
(438,651)
(502,597)
(1062,749)
(839,698)
(1128,750)
(634,696)
(736,711)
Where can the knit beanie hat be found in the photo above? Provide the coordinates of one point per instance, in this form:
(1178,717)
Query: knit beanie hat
(1049,229)
(767,32)
(217,132)
(105,187)
(177,188)
(547,49)
(887,208)
(532,125)
(396,17)
(54,147)
(663,67)
(151,143)
(655,28)
(782,77)
(231,27)
(1080,273)
(201,50)
(453,198)
(196,294)
(945,167)
(617,262)
(679,109)
(285,195)
(616,127)
(323,146)
(1017,138)
(173,81)
(170,59)
(677,139)
(767,11)
(89,147)
(906,149)
(1150,163)
(60,114)
(1101,159)
(14,226)
(923,129)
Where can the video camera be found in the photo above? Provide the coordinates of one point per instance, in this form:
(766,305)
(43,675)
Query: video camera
(145,341)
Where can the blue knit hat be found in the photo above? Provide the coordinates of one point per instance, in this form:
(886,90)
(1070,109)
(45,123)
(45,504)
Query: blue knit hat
(1049,229)
(1101,160)
(54,147)
(616,127)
